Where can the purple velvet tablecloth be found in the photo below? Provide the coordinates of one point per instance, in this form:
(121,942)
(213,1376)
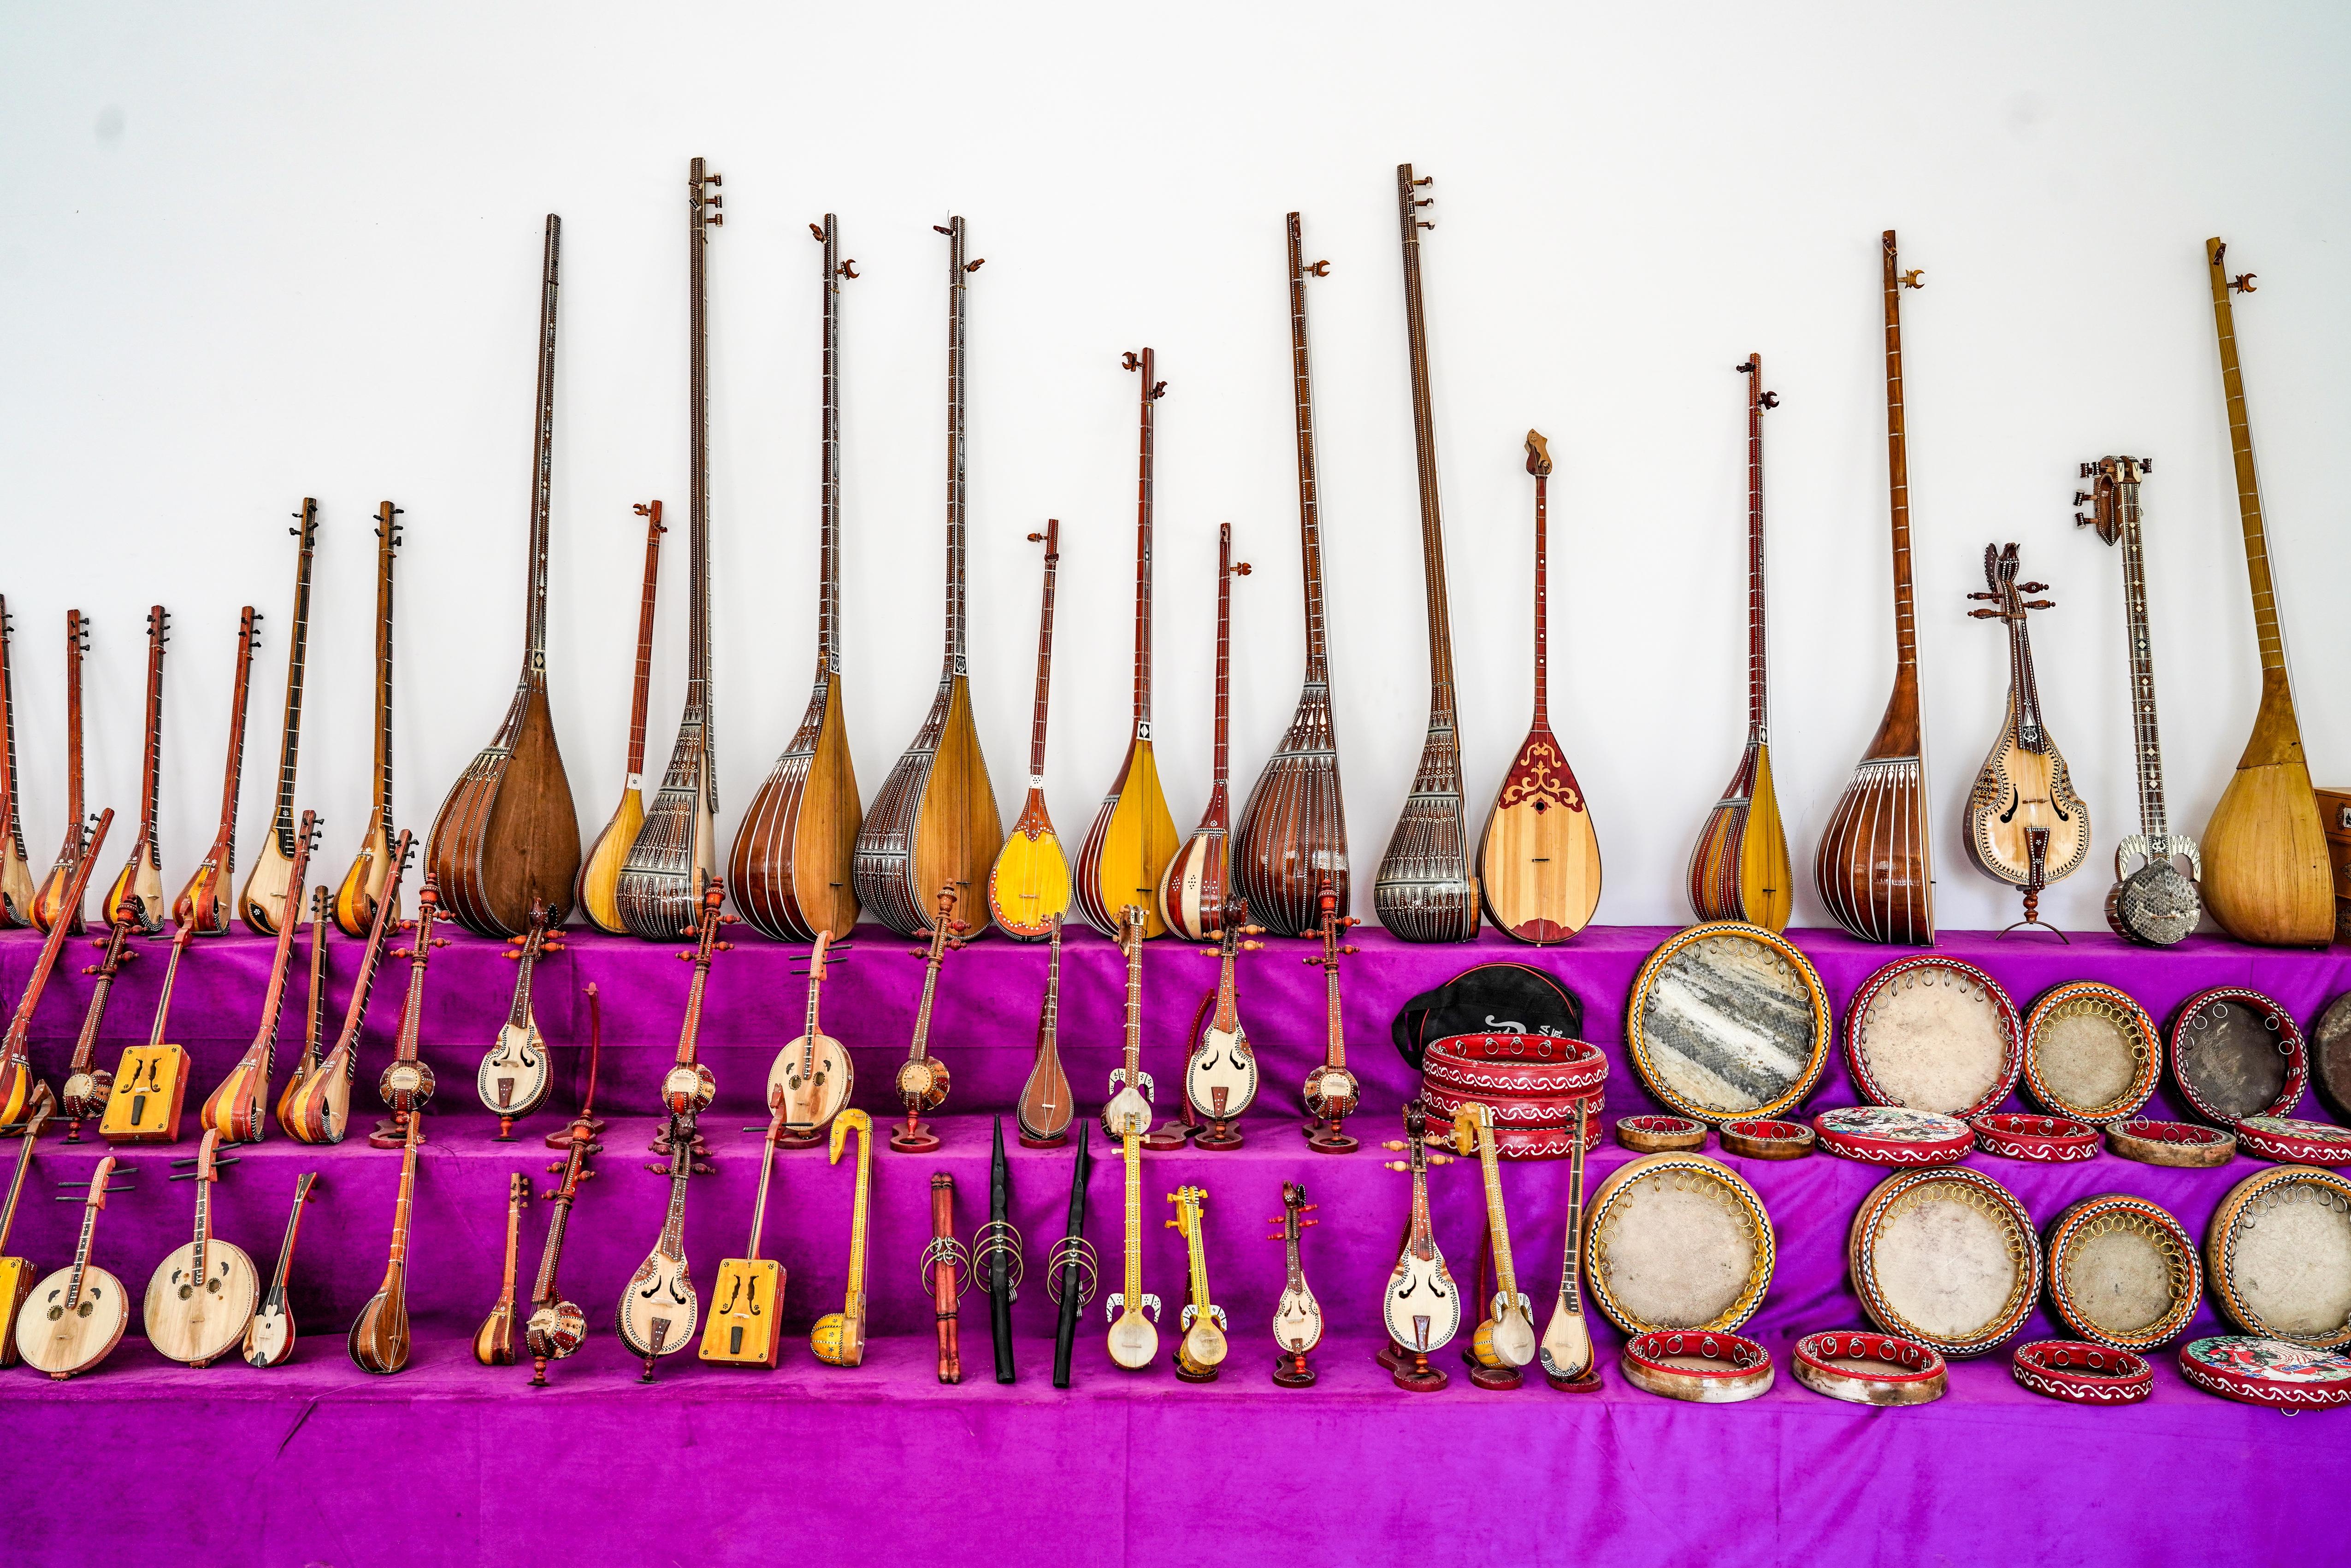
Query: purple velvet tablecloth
(304,1463)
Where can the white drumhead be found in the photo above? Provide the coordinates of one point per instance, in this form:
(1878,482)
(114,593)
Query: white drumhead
(2291,1260)
(2084,1055)
(1679,1250)
(1944,1262)
(1934,1039)
(2121,1275)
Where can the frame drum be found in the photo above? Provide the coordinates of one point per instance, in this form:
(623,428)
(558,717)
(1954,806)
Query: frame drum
(2266,1372)
(1728,1020)
(1933,1034)
(1678,1241)
(2236,1053)
(2122,1273)
(1946,1257)
(2279,1252)
(2090,1053)
(2330,1054)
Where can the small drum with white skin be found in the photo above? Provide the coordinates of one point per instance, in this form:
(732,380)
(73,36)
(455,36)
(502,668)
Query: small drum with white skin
(2236,1053)
(1933,1034)
(2090,1053)
(1678,1241)
(1728,1020)
(2122,1273)
(1891,1135)
(1870,1368)
(2279,1254)
(1946,1257)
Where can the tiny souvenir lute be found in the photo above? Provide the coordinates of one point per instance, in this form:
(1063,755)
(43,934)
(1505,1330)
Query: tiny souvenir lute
(270,1337)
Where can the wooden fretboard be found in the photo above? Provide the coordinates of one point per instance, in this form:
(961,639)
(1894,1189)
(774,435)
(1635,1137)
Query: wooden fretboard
(296,667)
(2147,743)
(1424,432)
(1759,712)
(542,463)
(1897,466)
(1310,514)
(2240,448)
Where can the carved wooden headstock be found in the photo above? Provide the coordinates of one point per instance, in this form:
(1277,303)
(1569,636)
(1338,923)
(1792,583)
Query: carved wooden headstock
(1130,932)
(651,511)
(946,931)
(1294,1211)
(1466,1120)
(537,942)
(707,921)
(2007,594)
(305,525)
(428,910)
(1538,454)
(2114,485)
(1051,539)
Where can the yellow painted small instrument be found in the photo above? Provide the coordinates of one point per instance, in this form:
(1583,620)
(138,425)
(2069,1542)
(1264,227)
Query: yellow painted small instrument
(201,1297)
(1202,1349)
(150,1083)
(1507,1336)
(748,1298)
(839,1338)
(17,1273)
(1132,1339)
(1029,890)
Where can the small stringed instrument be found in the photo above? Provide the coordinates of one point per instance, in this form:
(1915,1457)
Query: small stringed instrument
(201,1297)
(1875,865)
(205,900)
(49,902)
(379,1340)
(1292,833)
(87,1086)
(659,1308)
(314,1010)
(793,869)
(946,1269)
(270,895)
(688,1088)
(1332,1093)
(20,1089)
(406,1084)
(238,1110)
(1197,883)
(922,1082)
(1506,1337)
(17,1273)
(1566,1348)
(812,1074)
(2266,877)
(75,1317)
(1221,1077)
(270,1337)
(748,1298)
(1297,1316)
(150,1080)
(514,1078)
(139,888)
(1203,1346)
(16,870)
(1133,1339)
(1131,1089)
(599,870)
(1028,887)
(364,882)
(1421,1307)
(319,1111)
(507,836)
(934,821)
(2153,901)
(1048,1104)
(1740,869)
(1126,850)
(556,1326)
(2024,824)
(493,1342)
(1070,1269)
(839,1338)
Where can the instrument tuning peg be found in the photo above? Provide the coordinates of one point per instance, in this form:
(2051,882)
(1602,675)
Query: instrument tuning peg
(1319,268)
(849,268)
(2082,522)
(2034,587)
(974,265)
(2083,498)
(941,228)
(715,179)
(1351,949)
(816,231)
(2243,282)
(1251,946)
(1241,568)
(1913,278)
(2146,464)
(2041,605)
(1984,596)
(1983,614)
(1770,400)
(1396,1165)
(1397,1144)
(1133,361)
(1440,1159)
(2089,470)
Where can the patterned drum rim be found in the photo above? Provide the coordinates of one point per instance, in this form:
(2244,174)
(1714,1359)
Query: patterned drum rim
(2220,1250)
(2296,1378)
(1517,1064)
(2011,1029)
(1750,1299)
(2088,1219)
(1907,1372)
(2290,1140)
(2327,1036)
(2024,1246)
(1636,1041)
(2148,1055)
(1524,1111)
(1845,1130)
(1741,1368)
(2289,1039)
(1654,1135)
(2050,1140)
(2083,1374)
(2187,1146)
(1767,1138)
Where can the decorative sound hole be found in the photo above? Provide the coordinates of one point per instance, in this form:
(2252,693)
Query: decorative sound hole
(1542,805)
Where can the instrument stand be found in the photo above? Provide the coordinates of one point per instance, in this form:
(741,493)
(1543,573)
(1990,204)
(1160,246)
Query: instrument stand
(1589,1382)
(1221,1133)
(505,1130)
(1419,1377)
(1169,1136)
(700,1152)
(1293,1370)
(1391,1355)
(392,1133)
(792,1138)
(1206,1375)
(560,1139)
(1057,1141)
(915,1137)
(538,1371)
(1325,1137)
(2036,861)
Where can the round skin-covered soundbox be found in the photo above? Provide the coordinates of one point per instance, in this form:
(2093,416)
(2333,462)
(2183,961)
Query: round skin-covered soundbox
(2123,1271)
(1655,1135)
(2091,1053)
(1891,1135)
(1533,1084)
(1864,1368)
(2237,1053)
(2293,1141)
(2083,1374)
(1491,998)
(1678,1241)
(2330,1055)
(2267,1371)
(1728,1021)
(1933,1034)
(1948,1258)
(2278,1252)
(1706,1368)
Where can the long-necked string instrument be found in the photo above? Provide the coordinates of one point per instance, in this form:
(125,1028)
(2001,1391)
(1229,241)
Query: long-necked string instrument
(688,1088)
(1028,886)
(270,1337)
(314,1011)
(239,1109)
(922,1081)
(1131,1089)
(1332,1093)
(1425,891)
(16,870)
(813,1074)
(319,1111)
(1071,1271)
(507,836)
(516,1075)
(1739,869)
(1566,1348)
(2024,824)
(747,1298)
(205,901)
(364,882)
(20,1089)
(493,1342)
(17,1273)
(379,1340)
(1047,1103)
(1197,883)
(201,1297)
(659,1308)
(1421,1307)
(88,1086)
(1504,1340)
(1293,833)
(75,1317)
(2266,877)
(556,1326)
(49,903)
(1132,837)
(1876,865)
(1220,1076)
(600,869)
(2153,901)
(137,888)
(996,1259)
(271,895)
(1297,1316)
(934,821)
(839,1338)
(406,1084)
(946,1273)
(1203,1346)
(795,854)
(1133,1339)
(150,1080)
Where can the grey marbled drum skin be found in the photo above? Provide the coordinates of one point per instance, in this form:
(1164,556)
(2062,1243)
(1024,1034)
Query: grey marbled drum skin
(1729,1026)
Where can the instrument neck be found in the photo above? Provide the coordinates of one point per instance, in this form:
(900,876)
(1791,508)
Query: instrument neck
(412,1010)
(689,1034)
(921,1048)
(1142,507)
(285,1270)
(180,940)
(203,1236)
(20,1026)
(519,1014)
(16,1185)
(152,780)
(827,600)
(281,965)
(1334,1038)
(1543,601)
(2248,487)
(1133,1016)
(1048,1021)
(1296,1271)
(641,697)
(370,956)
(8,739)
(1423,1243)
(2023,688)
(1220,767)
(542,1290)
(1759,712)
(1898,460)
(85,1043)
(1131,1150)
(958,661)
(759,1203)
(313,1024)
(1498,1227)
(73,721)
(854,1303)
(395,1271)
(681,1171)
(1195,1260)
(1044,665)
(225,835)
(542,463)
(81,1254)
(514,1240)
(1309,520)
(1423,435)
(1228,1012)
(2147,744)
(809,1026)
(289,744)
(383,671)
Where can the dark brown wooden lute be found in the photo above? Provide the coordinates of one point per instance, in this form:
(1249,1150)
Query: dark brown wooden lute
(271,896)
(205,901)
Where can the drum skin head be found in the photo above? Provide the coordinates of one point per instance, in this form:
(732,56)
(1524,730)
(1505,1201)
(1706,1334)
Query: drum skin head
(1678,1241)
(2091,1053)
(1946,1257)
(2279,1255)
(1933,1034)
(1726,1022)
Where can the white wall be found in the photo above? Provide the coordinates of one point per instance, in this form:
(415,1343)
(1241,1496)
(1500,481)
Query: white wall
(249,253)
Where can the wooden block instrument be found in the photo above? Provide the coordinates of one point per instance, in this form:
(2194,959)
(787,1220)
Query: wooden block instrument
(1504,1340)
(1297,1316)
(1128,847)
(793,869)
(1070,1269)
(270,1337)
(996,1259)
(946,1274)
(150,1080)
(1424,891)
(1028,886)
(599,870)
(137,889)
(746,1303)
(17,1273)
(207,900)
(2024,824)
(1876,865)
(493,1342)
(201,1297)
(2266,879)
(1048,1104)
(1292,833)
(1332,1093)
(812,1073)
(1196,886)
(1421,1307)
(1131,1089)
(922,1082)
(49,901)
(515,1076)
(75,1317)
(406,1084)
(319,1111)
(556,1326)
(507,836)
(272,893)
(379,1340)
(1201,1350)
(20,1089)
(355,899)
(934,821)
(87,1086)
(1220,1077)
(314,1010)
(659,1308)
(239,1109)
(16,871)
(1739,869)
(1566,1348)
(839,1338)
(1132,1339)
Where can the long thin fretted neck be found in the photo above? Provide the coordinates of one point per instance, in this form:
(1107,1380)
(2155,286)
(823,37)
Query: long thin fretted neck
(690,1034)
(1134,1009)
(152,780)
(828,591)
(2024,686)
(1898,733)
(542,466)
(514,1238)
(1296,1279)
(1334,1038)
(1048,1020)
(10,815)
(681,1169)
(285,1270)
(409,1043)
(1758,710)
(314,1022)
(518,1011)
(1310,513)
(759,1204)
(99,1179)
(395,1272)
(542,1290)
(2272,638)
(76,639)
(1195,1260)
(641,697)
(180,939)
(1498,1226)
(1423,1242)
(1570,1285)
(958,662)
(289,746)
(2148,744)
(17,1182)
(281,961)
(1147,363)
(1132,1148)
(1543,602)
(858,1209)
(204,1179)
(387,533)
(700,216)
(1220,767)
(1441,716)
(1044,655)
(225,836)
(921,1048)
(371,951)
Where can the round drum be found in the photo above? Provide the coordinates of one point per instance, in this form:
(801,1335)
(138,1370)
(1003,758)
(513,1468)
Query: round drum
(2083,1374)
(1706,1368)
(1545,1065)
(2330,1055)
(1768,1139)
(2279,1252)
(2122,1273)
(1947,1258)
(2049,1140)
(2090,1053)
(2266,1372)
(1659,1135)
(2292,1141)
(1728,1020)
(1870,1368)
(1678,1241)
(2235,1053)
(2188,1145)
(1889,1136)
(1933,1034)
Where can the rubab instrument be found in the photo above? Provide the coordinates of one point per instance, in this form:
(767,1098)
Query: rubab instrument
(515,1076)
(1332,1093)
(1197,883)
(1221,1075)
(659,1308)
(812,1076)
(795,854)
(748,1298)
(2024,824)
(1421,1307)
(1293,833)
(2153,901)
(1133,1342)
(600,869)
(1739,869)
(1504,1340)
(839,1338)
(270,1337)
(137,889)
(16,871)
(1539,861)
(922,1081)
(934,821)
(406,1084)
(1048,1104)
(205,902)
(1028,886)
(17,1273)
(239,1109)
(1297,1316)
(2266,877)
(364,882)
(947,1271)
(87,1086)
(319,1111)
(556,1326)
(1131,1089)
(151,1082)
(20,1089)
(507,836)
(314,1010)
(1133,838)
(996,1260)
(1566,1348)
(271,895)
(1202,1349)
(1876,865)
(676,851)
(493,1342)
(379,1340)
(1070,1269)
(75,1317)
(1424,891)
(201,1297)
(49,902)
(688,1087)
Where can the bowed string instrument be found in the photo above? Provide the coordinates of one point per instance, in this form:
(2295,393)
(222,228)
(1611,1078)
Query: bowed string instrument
(406,1084)
(749,1296)
(2025,825)
(88,1086)
(16,870)
(839,1338)
(556,1326)
(272,893)
(151,1082)
(1297,1316)
(1221,1076)
(515,1076)
(922,1082)
(239,1109)
(137,889)
(50,900)
(356,896)
(600,869)
(1028,886)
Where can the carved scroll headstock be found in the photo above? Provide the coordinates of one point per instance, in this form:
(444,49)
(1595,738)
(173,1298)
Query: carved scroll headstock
(651,512)
(1538,454)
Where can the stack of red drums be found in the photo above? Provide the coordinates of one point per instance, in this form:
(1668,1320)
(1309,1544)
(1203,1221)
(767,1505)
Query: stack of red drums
(1533,1082)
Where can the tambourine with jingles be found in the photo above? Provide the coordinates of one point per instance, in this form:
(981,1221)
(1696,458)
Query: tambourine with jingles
(2235,1053)
(2278,1252)
(1933,1034)
(2123,1271)
(1891,1135)
(1862,1368)
(2082,1373)
(1945,1257)
(2091,1053)
(2267,1371)
(1728,1020)
(1706,1368)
